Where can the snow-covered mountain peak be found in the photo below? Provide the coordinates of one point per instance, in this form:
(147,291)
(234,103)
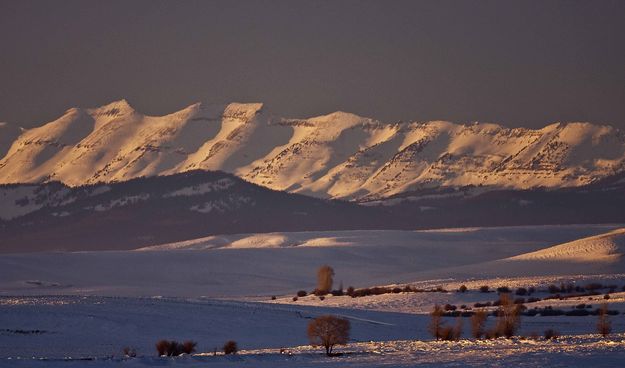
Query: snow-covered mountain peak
(243,111)
(115,108)
(209,111)
(338,155)
(339,116)
(339,120)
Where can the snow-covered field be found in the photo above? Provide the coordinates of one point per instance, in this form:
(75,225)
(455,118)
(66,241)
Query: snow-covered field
(81,309)
(237,266)
(72,329)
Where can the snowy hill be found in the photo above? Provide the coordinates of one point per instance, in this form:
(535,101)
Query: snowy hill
(339,155)
(195,204)
(80,309)
(160,209)
(608,247)
(360,258)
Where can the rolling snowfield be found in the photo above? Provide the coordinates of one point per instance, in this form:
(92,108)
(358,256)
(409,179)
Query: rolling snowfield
(82,308)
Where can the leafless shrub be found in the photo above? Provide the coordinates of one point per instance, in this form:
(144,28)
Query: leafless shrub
(553,289)
(533,335)
(188,347)
(456,333)
(230,347)
(462,288)
(169,348)
(162,346)
(175,348)
(328,331)
(509,317)
(338,292)
(436,326)
(551,334)
(446,333)
(129,352)
(350,291)
(481,305)
(492,334)
(478,322)
(604,326)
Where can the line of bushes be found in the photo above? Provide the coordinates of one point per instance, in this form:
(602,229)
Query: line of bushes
(368,291)
(550,311)
(174,348)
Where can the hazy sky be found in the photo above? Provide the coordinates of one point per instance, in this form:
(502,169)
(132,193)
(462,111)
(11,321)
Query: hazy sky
(517,63)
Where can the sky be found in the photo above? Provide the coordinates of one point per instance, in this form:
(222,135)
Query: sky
(517,63)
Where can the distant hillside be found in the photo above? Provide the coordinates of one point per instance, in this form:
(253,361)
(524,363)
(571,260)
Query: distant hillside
(156,210)
(163,209)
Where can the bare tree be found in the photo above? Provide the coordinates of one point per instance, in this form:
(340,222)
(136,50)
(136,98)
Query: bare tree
(436,324)
(478,322)
(604,326)
(328,331)
(324,280)
(508,317)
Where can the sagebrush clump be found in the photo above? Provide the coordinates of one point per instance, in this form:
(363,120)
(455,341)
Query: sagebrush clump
(129,352)
(230,347)
(174,348)
(188,347)
(551,334)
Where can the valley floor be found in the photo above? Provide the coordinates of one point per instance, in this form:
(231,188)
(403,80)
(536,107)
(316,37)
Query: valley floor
(82,309)
(74,331)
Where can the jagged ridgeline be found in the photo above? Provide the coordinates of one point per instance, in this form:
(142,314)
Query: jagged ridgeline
(339,155)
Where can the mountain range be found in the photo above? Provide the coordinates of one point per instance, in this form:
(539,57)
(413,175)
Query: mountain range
(112,178)
(338,156)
